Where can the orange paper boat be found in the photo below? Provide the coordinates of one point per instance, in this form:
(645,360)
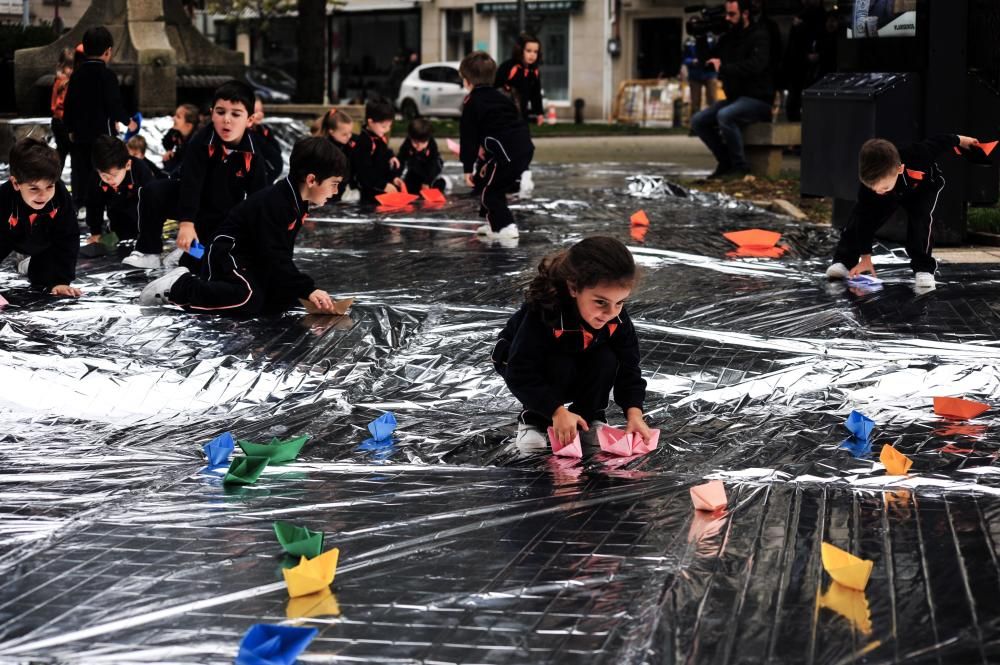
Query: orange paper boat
(955,407)
(432,195)
(846,568)
(987,147)
(639,218)
(710,496)
(311,575)
(848,603)
(754,252)
(753,238)
(895,462)
(396,199)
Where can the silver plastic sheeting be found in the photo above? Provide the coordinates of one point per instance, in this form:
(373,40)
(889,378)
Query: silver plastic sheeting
(120,546)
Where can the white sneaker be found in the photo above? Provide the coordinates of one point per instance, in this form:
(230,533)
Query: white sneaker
(351,196)
(530,439)
(173,259)
(923,280)
(837,271)
(527,184)
(484,230)
(140,260)
(23,261)
(508,232)
(157,292)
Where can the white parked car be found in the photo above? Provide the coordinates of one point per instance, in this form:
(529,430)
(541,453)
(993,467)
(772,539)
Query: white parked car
(434,89)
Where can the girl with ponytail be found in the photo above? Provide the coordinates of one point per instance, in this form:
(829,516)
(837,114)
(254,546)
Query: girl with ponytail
(571,342)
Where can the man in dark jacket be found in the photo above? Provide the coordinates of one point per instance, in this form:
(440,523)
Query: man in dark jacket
(744,65)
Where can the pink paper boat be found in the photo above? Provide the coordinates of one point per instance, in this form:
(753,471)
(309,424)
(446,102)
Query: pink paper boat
(571,449)
(3,302)
(711,496)
(617,442)
(454,146)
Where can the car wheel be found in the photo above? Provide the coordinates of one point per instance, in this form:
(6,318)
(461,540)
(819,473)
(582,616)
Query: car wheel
(409,109)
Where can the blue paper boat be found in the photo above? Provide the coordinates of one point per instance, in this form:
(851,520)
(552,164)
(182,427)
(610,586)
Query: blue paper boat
(271,644)
(218,449)
(383,426)
(138,121)
(859,425)
(857,447)
(197,250)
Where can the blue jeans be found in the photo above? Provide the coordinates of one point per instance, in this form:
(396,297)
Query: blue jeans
(718,127)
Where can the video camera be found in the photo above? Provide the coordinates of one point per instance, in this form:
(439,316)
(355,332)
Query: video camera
(706,20)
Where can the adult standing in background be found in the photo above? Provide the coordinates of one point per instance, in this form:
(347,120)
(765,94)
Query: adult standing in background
(699,75)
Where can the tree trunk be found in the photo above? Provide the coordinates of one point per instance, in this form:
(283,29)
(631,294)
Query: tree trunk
(311,33)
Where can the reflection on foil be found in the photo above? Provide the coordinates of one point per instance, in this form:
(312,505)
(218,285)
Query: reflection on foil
(120,546)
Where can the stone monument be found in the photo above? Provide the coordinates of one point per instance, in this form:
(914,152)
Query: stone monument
(157,50)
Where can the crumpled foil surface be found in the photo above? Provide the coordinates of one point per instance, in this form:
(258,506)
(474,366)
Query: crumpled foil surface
(119,545)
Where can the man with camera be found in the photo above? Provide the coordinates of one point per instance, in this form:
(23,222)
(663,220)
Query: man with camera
(743,60)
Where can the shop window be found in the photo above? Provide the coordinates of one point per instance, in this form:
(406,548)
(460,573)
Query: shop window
(458,33)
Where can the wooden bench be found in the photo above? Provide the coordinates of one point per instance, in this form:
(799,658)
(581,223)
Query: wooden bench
(763,143)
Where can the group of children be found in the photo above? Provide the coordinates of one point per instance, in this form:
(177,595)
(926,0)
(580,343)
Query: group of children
(569,344)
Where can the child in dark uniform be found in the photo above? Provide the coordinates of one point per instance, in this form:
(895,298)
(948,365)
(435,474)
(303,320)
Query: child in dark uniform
(270,150)
(121,179)
(572,342)
(249,267)
(185,123)
(38,219)
(376,169)
(906,178)
(520,78)
(137,150)
(221,168)
(491,124)
(420,158)
(93,107)
(338,127)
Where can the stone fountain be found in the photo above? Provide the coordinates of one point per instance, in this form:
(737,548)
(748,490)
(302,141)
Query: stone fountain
(157,50)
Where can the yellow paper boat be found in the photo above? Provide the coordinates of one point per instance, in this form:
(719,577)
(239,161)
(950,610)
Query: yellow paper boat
(848,603)
(319,604)
(311,575)
(846,568)
(895,462)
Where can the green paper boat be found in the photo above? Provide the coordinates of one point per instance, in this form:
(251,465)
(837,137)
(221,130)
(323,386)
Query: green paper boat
(277,451)
(298,540)
(244,470)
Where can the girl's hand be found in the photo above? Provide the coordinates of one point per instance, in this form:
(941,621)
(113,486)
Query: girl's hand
(565,422)
(540,119)
(394,163)
(321,303)
(468,180)
(864,265)
(66,290)
(966,141)
(637,424)
(94,238)
(390,188)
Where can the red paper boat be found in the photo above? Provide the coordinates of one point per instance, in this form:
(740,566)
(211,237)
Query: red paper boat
(639,218)
(571,449)
(756,238)
(987,147)
(432,195)
(955,407)
(396,199)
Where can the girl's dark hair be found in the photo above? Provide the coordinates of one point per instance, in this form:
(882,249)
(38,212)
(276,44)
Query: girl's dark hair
(523,40)
(66,59)
(316,155)
(592,261)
